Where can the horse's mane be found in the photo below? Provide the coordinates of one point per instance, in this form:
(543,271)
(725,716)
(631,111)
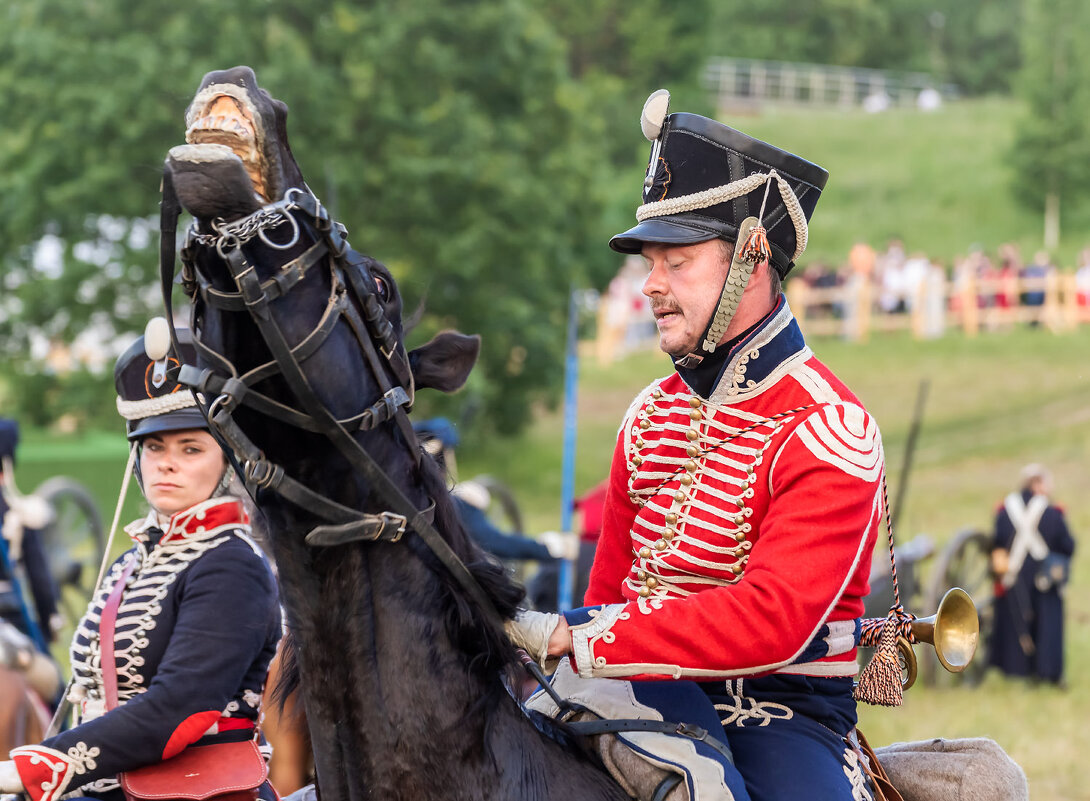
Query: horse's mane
(469,628)
(488,651)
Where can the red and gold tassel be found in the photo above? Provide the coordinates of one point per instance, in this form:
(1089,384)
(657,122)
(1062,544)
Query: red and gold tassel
(880,682)
(756,249)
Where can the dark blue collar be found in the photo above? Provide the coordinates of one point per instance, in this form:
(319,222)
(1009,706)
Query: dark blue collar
(752,362)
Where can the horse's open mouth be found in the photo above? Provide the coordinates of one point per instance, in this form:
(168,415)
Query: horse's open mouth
(224,120)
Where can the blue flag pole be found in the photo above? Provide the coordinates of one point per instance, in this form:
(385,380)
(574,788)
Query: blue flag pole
(566,579)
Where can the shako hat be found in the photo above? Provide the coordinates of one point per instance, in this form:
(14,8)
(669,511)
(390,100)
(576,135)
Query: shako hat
(148,394)
(438,437)
(438,430)
(704,179)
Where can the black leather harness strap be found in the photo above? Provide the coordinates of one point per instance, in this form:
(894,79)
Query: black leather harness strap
(592,727)
(286,277)
(356,455)
(254,296)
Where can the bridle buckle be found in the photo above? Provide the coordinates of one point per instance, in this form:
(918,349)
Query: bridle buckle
(400,521)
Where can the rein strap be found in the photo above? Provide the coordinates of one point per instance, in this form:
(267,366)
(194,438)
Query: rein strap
(346,524)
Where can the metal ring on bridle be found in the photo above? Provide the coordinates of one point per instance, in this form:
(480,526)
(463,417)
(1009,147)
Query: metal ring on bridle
(290,243)
(230,240)
(289,198)
(220,400)
(259,473)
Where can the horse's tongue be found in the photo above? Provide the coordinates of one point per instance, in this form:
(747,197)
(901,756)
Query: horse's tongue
(211,181)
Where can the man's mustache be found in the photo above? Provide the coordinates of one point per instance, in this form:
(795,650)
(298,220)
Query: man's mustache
(664,306)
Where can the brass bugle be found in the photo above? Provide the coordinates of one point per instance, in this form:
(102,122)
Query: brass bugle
(954,631)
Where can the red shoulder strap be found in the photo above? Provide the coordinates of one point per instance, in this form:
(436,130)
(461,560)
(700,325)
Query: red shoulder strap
(106,634)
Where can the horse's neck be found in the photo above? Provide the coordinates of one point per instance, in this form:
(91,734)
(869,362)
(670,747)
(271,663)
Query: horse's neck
(394,710)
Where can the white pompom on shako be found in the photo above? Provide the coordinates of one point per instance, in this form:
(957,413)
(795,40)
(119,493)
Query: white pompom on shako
(157,339)
(654,114)
(148,395)
(652,118)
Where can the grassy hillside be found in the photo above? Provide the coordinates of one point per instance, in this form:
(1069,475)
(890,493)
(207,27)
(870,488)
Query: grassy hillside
(941,181)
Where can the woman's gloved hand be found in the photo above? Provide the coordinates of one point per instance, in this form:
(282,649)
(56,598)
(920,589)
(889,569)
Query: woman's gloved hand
(9,778)
(561,544)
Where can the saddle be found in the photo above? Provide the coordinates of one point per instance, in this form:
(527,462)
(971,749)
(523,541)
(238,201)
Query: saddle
(658,761)
(651,758)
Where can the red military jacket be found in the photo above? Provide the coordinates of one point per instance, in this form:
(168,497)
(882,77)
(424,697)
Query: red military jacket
(738,528)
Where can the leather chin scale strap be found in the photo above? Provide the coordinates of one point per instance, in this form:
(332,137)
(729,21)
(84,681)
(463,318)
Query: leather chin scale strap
(733,286)
(375,334)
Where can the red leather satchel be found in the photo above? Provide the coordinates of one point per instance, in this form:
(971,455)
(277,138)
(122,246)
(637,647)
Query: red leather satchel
(220,772)
(224,772)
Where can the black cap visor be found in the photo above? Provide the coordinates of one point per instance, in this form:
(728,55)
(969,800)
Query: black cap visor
(178,420)
(677,229)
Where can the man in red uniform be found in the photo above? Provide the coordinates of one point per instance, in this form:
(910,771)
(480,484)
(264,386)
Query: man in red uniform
(745,494)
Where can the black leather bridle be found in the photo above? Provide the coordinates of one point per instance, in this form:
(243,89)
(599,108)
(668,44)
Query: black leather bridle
(351,280)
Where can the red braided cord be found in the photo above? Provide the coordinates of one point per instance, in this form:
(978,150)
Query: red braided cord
(872,626)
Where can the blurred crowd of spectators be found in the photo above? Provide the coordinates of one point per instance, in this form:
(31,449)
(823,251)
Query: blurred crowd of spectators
(889,282)
(899,279)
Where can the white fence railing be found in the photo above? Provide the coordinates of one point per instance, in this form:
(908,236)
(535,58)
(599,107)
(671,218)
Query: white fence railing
(747,82)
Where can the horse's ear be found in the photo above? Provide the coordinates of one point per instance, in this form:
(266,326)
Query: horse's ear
(445,362)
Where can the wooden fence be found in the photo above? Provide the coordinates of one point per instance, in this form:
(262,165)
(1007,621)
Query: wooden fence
(972,305)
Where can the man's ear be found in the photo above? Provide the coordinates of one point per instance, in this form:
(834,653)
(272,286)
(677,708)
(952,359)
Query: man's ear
(445,362)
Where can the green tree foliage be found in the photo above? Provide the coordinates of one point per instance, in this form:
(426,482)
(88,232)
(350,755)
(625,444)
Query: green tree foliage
(975,44)
(1051,153)
(971,43)
(470,144)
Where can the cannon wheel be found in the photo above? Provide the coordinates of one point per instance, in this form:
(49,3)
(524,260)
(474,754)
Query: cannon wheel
(503,510)
(965,562)
(74,541)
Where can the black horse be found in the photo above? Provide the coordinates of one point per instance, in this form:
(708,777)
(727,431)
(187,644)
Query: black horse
(400,645)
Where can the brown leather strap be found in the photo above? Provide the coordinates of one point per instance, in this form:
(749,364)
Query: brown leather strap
(106,635)
(883,787)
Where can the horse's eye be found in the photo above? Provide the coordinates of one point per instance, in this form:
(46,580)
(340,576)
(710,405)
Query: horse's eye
(383,289)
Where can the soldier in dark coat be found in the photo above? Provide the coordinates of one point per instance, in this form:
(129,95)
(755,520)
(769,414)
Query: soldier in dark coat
(198,620)
(471,499)
(22,551)
(28,594)
(1032,551)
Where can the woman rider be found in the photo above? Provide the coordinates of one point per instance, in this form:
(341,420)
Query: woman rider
(198,620)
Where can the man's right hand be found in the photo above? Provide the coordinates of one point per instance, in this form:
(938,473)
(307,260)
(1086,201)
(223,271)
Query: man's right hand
(531,631)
